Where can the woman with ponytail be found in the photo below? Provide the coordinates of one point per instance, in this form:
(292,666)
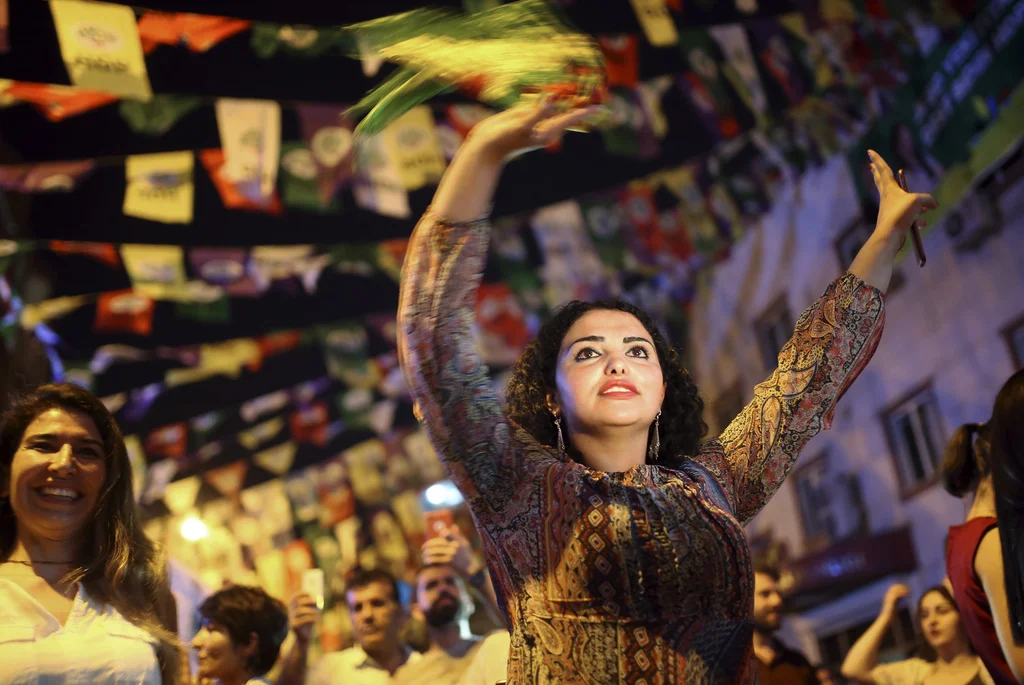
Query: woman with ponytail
(985,554)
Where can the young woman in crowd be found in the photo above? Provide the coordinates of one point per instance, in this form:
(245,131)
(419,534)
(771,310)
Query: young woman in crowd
(83,596)
(240,637)
(985,554)
(612,530)
(945,657)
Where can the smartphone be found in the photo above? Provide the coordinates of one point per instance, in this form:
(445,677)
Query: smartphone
(915,230)
(313,585)
(436,522)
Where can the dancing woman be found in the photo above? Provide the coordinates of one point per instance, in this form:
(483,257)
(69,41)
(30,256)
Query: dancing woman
(612,533)
(944,654)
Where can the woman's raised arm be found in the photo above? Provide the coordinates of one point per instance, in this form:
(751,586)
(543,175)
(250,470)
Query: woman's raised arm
(833,342)
(445,259)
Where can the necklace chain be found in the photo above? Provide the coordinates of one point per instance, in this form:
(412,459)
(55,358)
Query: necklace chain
(33,563)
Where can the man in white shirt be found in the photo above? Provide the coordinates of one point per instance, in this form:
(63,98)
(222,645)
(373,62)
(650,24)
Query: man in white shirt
(490,665)
(447,562)
(439,606)
(377,616)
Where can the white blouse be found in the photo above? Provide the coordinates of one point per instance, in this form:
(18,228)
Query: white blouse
(917,671)
(95,645)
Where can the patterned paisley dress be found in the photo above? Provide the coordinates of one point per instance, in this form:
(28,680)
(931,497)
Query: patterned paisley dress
(639,577)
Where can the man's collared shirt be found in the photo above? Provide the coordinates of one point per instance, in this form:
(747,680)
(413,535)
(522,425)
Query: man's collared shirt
(353,666)
(439,667)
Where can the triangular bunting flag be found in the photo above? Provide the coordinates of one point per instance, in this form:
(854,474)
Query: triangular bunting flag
(227,480)
(101,252)
(277,459)
(160,474)
(329,138)
(58,103)
(252,438)
(44,177)
(137,459)
(180,496)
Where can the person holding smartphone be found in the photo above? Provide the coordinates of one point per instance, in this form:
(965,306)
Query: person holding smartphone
(379,654)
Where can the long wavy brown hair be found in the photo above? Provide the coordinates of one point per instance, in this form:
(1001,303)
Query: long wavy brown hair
(118,565)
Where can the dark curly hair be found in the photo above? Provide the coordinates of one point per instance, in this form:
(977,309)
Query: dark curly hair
(533,379)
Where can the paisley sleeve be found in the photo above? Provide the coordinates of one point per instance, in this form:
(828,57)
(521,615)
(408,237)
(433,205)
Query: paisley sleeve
(833,342)
(449,383)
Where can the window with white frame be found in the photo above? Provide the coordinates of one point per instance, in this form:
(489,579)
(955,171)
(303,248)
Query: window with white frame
(915,437)
(774,328)
(812,493)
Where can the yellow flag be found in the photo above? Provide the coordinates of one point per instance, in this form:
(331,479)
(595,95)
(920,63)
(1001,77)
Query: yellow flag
(5,99)
(277,459)
(101,48)
(41,312)
(251,438)
(160,187)
(216,359)
(414,148)
(656,22)
(180,496)
(153,263)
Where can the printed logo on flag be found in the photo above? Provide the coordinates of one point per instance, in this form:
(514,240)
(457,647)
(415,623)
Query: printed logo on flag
(300,163)
(222,271)
(129,303)
(97,36)
(330,145)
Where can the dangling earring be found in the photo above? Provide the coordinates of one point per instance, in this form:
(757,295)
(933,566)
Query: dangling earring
(558,427)
(656,447)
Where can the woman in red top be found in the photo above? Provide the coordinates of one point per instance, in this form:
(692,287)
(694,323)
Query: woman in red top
(984,567)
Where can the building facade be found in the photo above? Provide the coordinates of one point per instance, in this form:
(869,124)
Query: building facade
(863,506)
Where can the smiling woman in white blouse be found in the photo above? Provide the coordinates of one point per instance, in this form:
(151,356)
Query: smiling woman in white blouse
(82,595)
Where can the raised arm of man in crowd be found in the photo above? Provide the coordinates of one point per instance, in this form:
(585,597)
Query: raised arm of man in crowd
(453,549)
(302,616)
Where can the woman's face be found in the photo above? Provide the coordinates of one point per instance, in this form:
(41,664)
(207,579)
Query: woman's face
(218,656)
(57,475)
(940,620)
(608,374)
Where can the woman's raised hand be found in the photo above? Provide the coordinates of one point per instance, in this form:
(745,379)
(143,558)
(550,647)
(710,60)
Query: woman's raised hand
(524,127)
(892,598)
(897,209)
(466,191)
